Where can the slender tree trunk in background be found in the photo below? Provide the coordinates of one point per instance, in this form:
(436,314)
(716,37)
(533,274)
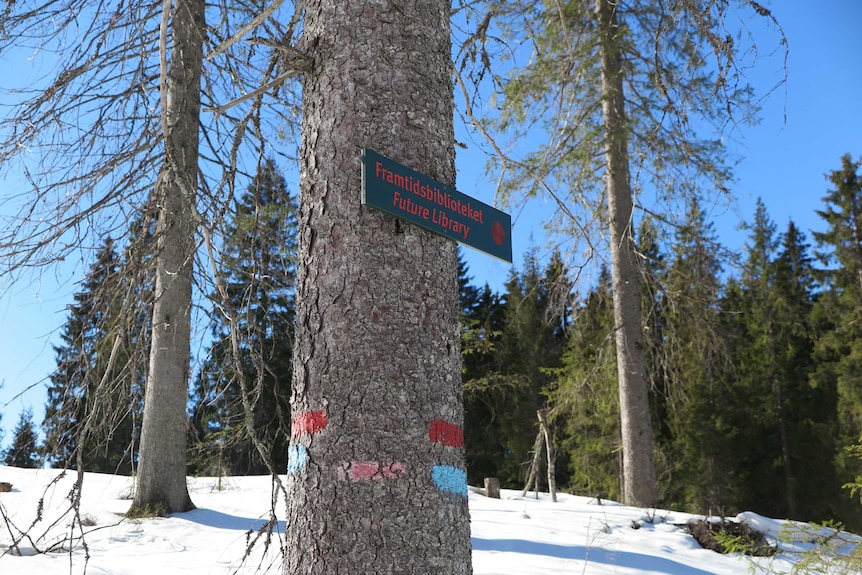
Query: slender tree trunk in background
(544,436)
(533,474)
(161,482)
(786,455)
(552,456)
(639,477)
(376,478)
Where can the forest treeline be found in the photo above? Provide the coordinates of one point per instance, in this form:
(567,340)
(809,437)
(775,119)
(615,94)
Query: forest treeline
(754,361)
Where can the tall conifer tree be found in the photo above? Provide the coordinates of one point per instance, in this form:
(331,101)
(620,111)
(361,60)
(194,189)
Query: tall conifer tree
(94,395)
(783,433)
(748,328)
(240,408)
(614,86)
(839,313)
(696,365)
(807,415)
(780,428)
(24,450)
(376,480)
(586,398)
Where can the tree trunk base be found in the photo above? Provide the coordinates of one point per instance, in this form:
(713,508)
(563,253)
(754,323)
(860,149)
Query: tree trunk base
(492,487)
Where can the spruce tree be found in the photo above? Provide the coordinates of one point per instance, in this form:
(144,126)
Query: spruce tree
(24,450)
(487,392)
(240,404)
(696,365)
(748,329)
(586,399)
(468,294)
(783,433)
(506,368)
(376,482)
(807,414)
(782,439)
(839,316)
(91,407)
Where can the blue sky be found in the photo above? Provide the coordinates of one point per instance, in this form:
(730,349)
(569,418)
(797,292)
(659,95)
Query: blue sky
(784,162)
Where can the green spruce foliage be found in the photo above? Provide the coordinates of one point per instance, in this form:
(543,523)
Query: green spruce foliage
(24,450)
(240,409)
(768,324)
(94,397)
(585,397)
(838,317)
(751,361)
(697,392)
(486,392)
(510,343)
(807,415)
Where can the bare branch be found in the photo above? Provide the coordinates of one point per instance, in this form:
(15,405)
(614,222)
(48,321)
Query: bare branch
(258,92)
(163,65)
(257,21)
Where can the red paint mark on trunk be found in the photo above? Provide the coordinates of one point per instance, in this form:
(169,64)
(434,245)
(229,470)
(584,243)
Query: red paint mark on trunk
(449,434)
(308,422)
(371,470)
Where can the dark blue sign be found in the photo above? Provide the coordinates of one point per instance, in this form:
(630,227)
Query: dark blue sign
(405,193)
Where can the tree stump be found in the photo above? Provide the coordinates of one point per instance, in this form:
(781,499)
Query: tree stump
(5,487)
(492,487)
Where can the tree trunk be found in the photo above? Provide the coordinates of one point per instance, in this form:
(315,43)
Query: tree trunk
(786,456)
(161,482)
(533,474)
(639,478)
(376,474)
(552,456)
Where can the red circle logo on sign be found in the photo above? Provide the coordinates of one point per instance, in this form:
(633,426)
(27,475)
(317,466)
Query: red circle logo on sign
(498,233)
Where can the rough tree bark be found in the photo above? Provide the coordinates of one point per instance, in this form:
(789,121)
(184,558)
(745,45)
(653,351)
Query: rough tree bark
(161,482)
(639,477)
(376,477)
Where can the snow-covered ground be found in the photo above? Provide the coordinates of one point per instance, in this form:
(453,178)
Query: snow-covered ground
(512,535)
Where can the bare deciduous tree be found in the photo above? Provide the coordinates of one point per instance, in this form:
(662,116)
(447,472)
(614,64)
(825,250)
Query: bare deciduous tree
(110,135)
(161,482)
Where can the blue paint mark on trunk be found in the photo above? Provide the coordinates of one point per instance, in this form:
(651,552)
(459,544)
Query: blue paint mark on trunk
(297,457)
(450,479)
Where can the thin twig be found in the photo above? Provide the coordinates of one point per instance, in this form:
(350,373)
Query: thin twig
(277,81)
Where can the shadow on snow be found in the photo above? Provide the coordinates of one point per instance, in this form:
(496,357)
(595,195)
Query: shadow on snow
(220,520)
(586,554)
